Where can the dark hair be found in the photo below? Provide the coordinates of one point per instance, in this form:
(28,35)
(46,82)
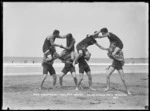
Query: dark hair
(69,39)
(56,32)
(69,35)
(105,30)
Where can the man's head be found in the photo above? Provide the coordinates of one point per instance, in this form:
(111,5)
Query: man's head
(112,47)
(104,31)
(69,35)
(69,38)
(87,35)
(56,33)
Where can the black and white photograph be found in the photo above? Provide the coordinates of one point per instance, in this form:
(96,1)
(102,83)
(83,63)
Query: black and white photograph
(75,55)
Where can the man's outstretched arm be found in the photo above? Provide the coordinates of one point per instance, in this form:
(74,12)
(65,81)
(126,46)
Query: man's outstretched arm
(101,46)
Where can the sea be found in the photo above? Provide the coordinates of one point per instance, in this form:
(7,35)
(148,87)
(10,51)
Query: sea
(92,60)
(32,65)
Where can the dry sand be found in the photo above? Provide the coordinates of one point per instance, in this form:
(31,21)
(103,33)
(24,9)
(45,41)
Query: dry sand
(21,92)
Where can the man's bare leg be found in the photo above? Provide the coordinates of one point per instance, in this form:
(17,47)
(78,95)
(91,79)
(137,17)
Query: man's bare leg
(61,79)
(54,80)
(80,79)
(90,80)
(75,79)
(121,73)
(44,77)
(109,72)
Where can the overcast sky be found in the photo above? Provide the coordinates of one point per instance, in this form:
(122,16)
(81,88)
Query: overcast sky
(26,25)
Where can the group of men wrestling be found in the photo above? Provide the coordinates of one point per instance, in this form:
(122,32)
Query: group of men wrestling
(70,58)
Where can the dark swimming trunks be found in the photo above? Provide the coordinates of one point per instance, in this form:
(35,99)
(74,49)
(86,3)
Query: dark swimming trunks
(117,64)
(70,42)
(83,66)
(85,43)
(68,67)
(48,47)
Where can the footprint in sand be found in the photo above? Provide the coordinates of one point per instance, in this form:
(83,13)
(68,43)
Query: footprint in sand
(111,103)
(58,101)
(81,98)
(144,79)
(96,101)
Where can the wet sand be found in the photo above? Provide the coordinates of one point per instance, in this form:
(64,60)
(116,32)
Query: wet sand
(21,92)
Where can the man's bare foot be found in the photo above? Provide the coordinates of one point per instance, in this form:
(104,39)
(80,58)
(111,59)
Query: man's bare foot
(129,93)
(106,89)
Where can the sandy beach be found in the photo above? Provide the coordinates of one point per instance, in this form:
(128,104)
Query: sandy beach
(21,92)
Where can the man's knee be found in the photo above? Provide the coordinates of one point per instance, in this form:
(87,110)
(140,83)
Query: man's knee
(45,75)
(87,56)
(80,53)
(89,75)
(49,57)
(56,55)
